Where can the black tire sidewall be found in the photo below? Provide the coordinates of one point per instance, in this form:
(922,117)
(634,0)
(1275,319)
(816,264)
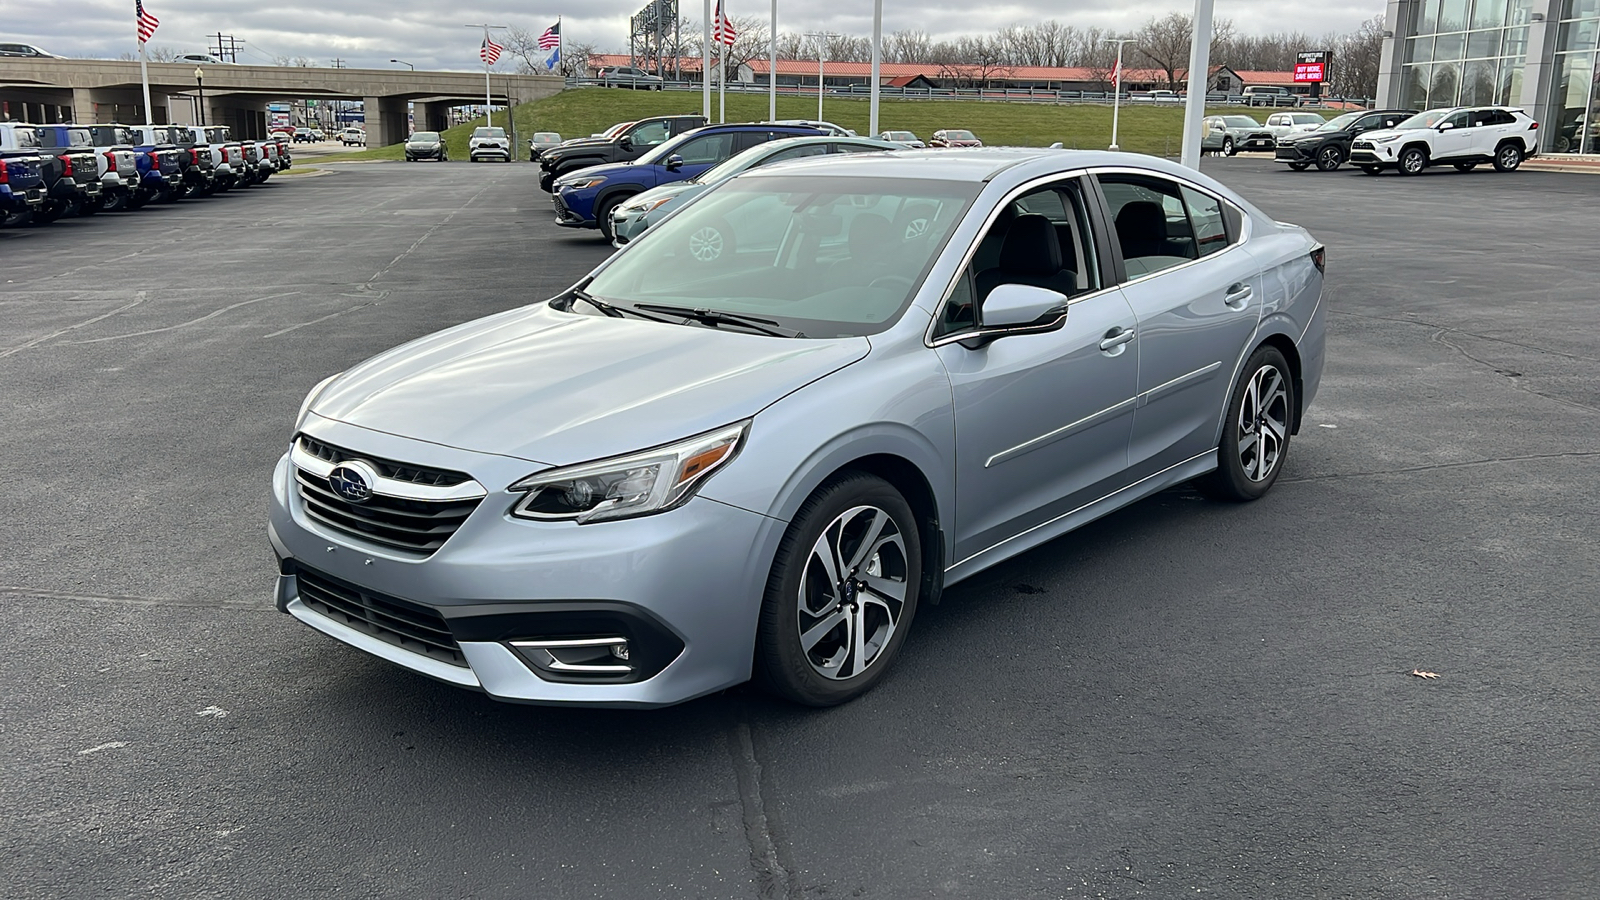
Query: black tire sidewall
(1329,158)
(1407,153)
(1228,147)
(781,666)
(1229,482)
(1499,155)
(602,215)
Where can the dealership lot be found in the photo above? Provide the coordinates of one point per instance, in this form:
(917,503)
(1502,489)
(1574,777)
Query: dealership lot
(1182,698)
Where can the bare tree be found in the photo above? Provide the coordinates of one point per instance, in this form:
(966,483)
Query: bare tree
(908,46)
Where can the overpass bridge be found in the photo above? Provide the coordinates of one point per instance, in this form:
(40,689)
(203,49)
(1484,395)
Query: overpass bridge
(89,91)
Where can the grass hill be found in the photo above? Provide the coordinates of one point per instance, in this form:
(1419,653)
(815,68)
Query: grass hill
(579,112)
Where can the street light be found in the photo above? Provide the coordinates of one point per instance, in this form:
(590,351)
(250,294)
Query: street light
(200,85)
(1116,87)
(822,47)
(404,63)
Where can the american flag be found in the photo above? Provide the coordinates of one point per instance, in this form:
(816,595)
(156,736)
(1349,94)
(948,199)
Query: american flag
(723,32)
(147,22)
(1116,73)
(551,38)
(490,51)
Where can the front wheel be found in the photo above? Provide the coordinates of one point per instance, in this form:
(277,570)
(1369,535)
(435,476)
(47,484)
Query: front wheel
(603,215)
(1329,159)
(1227,146)
(1255,434)
(1413,160)
(1507,158)
(841,594)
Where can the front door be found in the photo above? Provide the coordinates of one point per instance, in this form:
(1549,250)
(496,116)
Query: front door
(1456,140)
(1041,421)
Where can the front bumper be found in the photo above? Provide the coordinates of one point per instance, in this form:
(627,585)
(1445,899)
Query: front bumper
(1368,154)
(627,226)
(495,151)
(568,216)
(684,587)
(1297,152)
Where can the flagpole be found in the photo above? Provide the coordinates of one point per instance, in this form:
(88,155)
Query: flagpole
(1116,88)
(488,102)
(561,46)
(705,63)
(772,68)
(144,76)
(877,65)
(722,68)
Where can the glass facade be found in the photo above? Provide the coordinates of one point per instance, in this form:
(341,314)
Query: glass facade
(1464,52)
(1573,118)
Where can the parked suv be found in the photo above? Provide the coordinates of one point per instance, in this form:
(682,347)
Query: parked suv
(1286,123)
(1460,136)
(584,199)
(1329,146)
(21,186)
(628,144)
(1269,95)
(79,186)
(631,77)
(489,143)
(1230,134)
(119,164)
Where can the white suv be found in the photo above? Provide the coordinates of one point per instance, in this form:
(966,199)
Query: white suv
(1284,124)
(1460,136)
(489,143)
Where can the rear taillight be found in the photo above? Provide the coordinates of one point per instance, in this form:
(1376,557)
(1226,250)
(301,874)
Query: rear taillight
(194,156)
(66,166)
(225,154)
(111,161)
(1319,257)
(5,176)
(1533,126)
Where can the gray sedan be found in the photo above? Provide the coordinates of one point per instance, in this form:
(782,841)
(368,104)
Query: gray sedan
(701,465)
(426,145)
(629,220)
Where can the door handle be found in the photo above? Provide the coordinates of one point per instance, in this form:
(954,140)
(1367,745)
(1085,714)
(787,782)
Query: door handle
(1238,296)
(1115,338)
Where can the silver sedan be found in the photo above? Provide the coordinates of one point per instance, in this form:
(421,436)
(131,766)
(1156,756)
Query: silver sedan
(703,464)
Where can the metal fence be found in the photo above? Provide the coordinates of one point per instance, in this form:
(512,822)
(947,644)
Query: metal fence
(1015,94)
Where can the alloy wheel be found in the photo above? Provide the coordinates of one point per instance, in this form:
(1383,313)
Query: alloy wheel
(1263,423)
(852,593)
(1510,157)
(1412,162)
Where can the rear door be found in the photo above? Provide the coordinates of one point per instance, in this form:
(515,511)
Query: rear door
(1196,294)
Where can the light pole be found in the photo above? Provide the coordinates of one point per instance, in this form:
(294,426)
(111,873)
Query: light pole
(1116,88)
(877,67)
(200,85)
(822,49)
(404,63)
(1194,112)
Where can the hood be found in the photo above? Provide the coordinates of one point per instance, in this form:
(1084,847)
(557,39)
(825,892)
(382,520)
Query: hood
(1384,134)
(604,170)
(666,192)
(557,388)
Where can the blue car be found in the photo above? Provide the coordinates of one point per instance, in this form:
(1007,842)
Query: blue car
(585,198)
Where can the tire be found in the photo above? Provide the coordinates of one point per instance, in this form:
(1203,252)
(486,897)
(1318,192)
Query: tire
(1466,167)
(861,530)
(1227,146)
(116,202)
(1372,170)
(1329,158)
(603,215)
(1299,166)
(90,207)
(1413,160)
(1256,432)
(1507,157)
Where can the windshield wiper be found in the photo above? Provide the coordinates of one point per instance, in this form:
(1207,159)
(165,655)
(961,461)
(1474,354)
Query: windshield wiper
(714,318)
(611,309)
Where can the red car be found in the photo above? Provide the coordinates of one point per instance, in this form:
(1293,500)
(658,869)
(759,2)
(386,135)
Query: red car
(954,137)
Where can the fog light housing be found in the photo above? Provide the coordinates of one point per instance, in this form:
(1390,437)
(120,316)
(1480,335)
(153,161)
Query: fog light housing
(577,659)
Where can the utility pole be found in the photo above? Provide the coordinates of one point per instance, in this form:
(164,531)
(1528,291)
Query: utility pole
(338,63)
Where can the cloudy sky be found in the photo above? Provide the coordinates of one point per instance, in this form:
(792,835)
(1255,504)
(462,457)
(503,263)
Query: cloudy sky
(368,33)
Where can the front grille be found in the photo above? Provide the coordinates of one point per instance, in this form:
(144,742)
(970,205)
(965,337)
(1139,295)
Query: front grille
(399,622)
(1363,145)
(388,468)
(420,526)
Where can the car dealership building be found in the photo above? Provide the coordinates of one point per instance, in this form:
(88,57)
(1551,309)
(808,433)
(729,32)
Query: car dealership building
(1536,54)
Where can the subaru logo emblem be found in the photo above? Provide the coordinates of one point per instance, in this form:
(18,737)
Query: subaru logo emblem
(352,481)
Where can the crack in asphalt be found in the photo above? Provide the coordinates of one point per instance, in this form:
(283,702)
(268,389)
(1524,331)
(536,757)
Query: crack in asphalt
(210,315)
(138,298)
(1470,463)
(773,878)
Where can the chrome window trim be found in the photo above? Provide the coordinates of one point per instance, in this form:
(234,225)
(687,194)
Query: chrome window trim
(1246,225)
(389,487)
(928,338)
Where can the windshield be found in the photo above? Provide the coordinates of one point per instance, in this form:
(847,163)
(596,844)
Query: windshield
(546,137)
(489,132)
(900,136)
(1342,122)
(827,256)
(1425,119)
(422,136)
(1241,122)
(959,136)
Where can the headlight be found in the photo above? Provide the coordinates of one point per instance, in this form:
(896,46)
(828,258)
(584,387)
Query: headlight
(1387,138)
(645,206)
(305,405)
(581,183)
(639,484)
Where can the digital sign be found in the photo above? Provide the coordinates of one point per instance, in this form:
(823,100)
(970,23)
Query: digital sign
(1311,66)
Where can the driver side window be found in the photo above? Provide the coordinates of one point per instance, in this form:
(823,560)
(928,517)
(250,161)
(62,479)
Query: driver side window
(1041,239)
(648,135)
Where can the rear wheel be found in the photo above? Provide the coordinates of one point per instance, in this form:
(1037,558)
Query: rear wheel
(1413,160)
(841,594)
(1329,158)
(1255,435)
(1507,158)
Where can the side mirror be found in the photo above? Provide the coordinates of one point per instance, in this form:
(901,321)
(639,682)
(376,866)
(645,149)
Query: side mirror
(627,142)
(1447,126)
(674,163)
(1015,309)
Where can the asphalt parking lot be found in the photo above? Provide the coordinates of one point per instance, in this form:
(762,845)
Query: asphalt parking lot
(1184,698)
